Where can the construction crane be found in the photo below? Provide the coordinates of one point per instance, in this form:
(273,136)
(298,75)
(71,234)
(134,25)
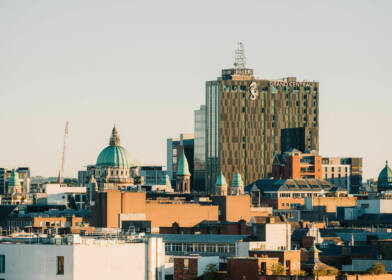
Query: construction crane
(61,173)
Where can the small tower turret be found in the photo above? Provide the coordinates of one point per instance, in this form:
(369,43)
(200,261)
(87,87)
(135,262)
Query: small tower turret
(221,185)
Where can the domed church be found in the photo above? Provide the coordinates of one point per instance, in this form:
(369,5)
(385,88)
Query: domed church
(113,169)
(384,182)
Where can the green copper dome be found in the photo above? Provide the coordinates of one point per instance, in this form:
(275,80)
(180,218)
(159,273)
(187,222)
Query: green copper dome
(237,180)
(14,179)
(114,155)
(221,180)
(385,178)
(183,168)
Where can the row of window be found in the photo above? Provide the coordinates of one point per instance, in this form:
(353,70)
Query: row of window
(112,172)
(200,248)
(274,89)
(333,169)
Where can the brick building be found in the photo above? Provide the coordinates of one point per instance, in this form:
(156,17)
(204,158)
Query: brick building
(113,207)
(294,164)
(250,268)
(191,267)
(210,227)
(44,224)
(291,260)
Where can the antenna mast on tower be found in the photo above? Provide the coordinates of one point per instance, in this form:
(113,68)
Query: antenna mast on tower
(61,173)
(240,59)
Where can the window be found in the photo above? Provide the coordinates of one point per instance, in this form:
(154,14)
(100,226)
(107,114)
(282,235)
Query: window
(186,264)
(2,263)
(60,265)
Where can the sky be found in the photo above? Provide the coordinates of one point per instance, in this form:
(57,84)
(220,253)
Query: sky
(142,65)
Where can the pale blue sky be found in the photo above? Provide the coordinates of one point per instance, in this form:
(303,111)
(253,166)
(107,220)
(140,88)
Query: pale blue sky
(143,65)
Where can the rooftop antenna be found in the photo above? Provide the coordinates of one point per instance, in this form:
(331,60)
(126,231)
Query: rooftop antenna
(240,59)
(61,173)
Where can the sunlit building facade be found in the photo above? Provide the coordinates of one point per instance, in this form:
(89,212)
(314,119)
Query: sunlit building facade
(244,118)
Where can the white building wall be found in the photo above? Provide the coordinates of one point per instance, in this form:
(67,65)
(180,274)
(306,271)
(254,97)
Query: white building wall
(36,262)
(278,236)
(120,262)
(385,206)
(62,188)
(98,260)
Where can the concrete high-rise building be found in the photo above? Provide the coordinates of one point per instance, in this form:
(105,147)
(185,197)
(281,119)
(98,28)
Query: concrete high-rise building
(199,172)
(244,118)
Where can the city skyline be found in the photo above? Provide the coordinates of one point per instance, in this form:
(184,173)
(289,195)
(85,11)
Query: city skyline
(147,74)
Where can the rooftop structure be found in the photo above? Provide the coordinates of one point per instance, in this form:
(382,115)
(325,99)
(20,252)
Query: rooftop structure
(183,167)
(287,193)
(384,182)
(114,155)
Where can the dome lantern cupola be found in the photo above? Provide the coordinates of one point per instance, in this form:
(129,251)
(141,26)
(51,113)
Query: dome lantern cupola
(114,155)
(14,181)
(114,139)
(384,181)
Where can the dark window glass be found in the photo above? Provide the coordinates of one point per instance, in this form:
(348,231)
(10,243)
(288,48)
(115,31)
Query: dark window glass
(60,265)
(2,263)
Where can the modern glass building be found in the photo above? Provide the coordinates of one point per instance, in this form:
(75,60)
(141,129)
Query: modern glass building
(199,173)
(244,118)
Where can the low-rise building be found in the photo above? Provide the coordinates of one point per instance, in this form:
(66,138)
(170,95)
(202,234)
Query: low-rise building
(287,193)
(113,207)
(290,259)
(192,267)
(343,172)
(250,268)
(75,257)
(61,194)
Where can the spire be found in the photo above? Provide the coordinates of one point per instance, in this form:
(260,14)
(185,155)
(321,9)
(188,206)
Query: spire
(14,179)
(240,59)
(386,163)
(237,180)
(221,180)
(114,139)
(183,168)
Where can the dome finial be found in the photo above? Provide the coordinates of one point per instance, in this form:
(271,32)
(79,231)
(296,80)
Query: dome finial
(386,163)
(114,139)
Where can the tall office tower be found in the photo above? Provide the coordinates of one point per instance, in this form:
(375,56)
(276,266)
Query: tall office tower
(199,157)
(244,118)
